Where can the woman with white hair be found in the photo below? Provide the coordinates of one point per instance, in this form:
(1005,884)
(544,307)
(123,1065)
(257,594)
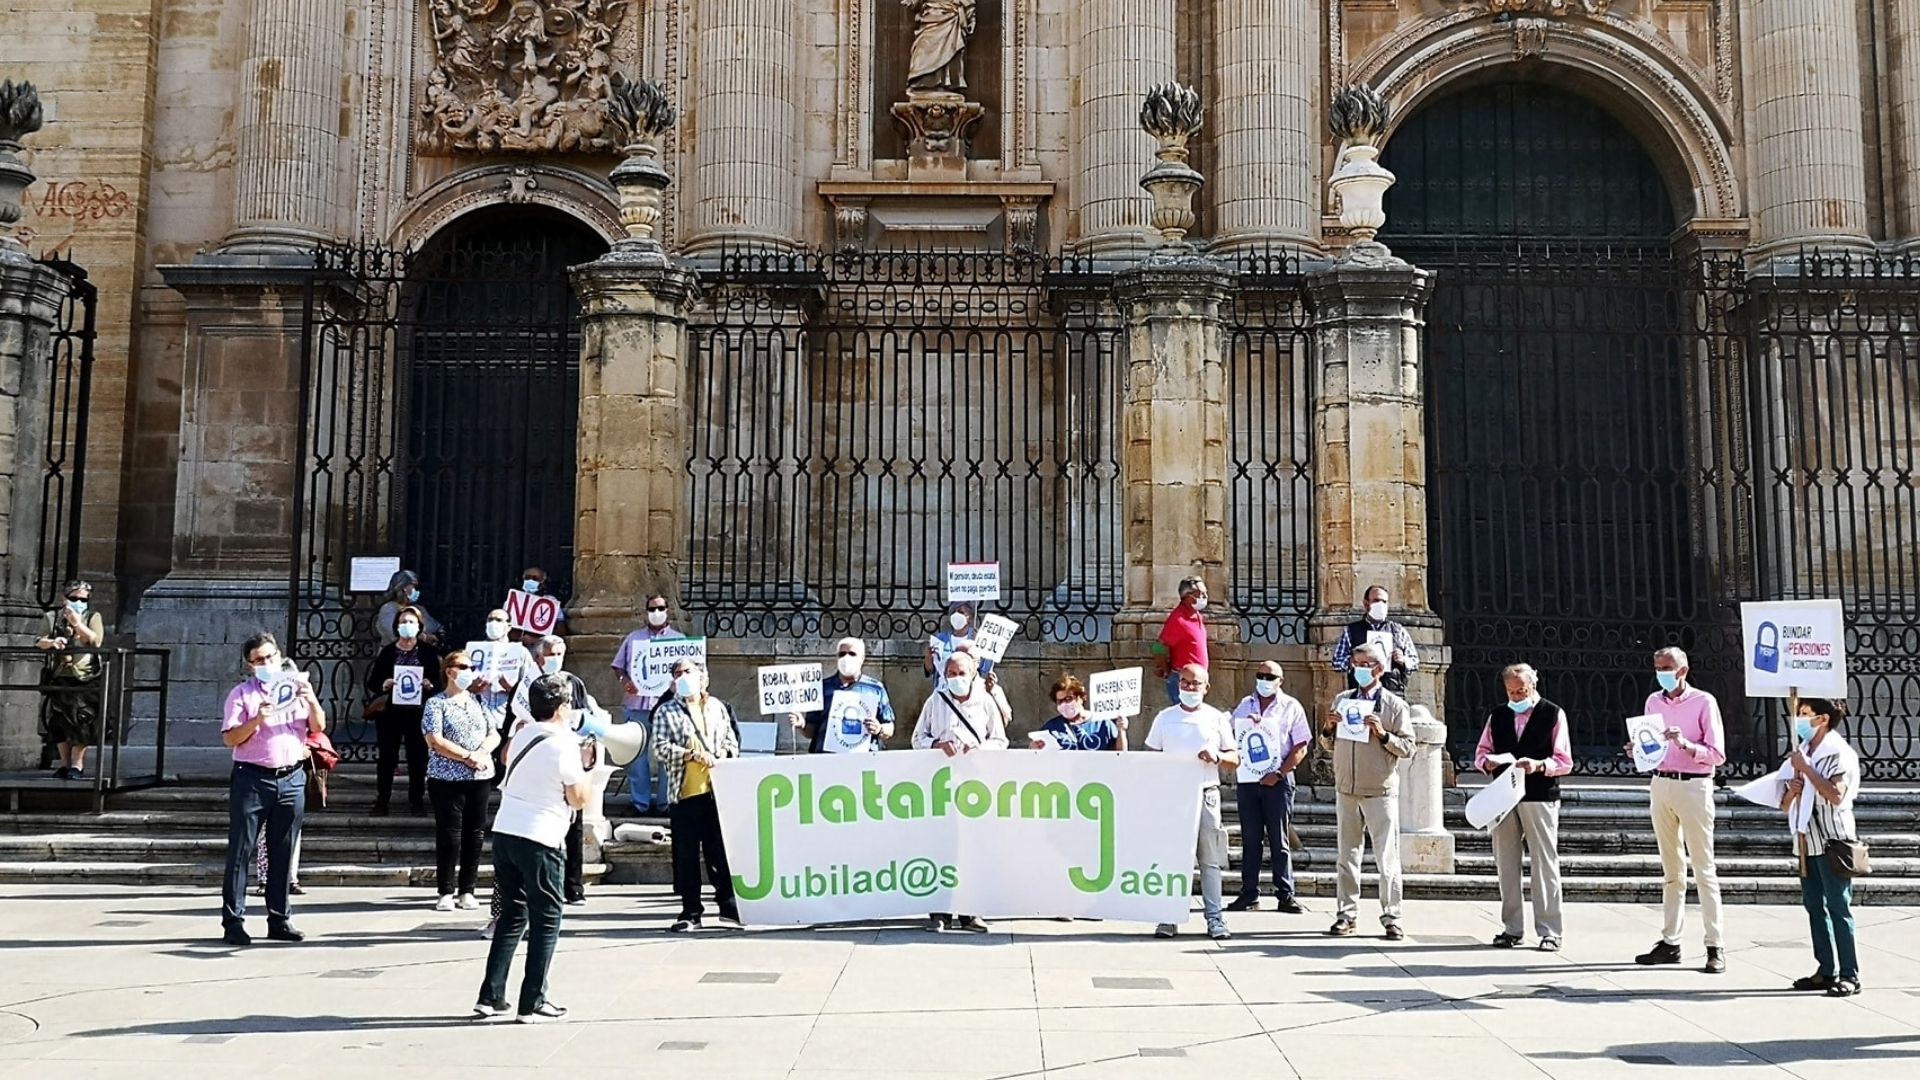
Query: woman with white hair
(961,717)
(1528,733)
(855,715)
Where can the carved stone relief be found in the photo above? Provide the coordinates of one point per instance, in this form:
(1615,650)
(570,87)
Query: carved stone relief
(520,75)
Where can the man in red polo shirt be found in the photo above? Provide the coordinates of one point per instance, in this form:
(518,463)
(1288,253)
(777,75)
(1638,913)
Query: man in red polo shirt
(1183,638)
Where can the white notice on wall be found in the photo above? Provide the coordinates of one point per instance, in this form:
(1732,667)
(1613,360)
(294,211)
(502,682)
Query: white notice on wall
(371,573)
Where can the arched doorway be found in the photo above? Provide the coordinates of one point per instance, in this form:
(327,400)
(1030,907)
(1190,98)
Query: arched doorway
(492,399)
(1557,434)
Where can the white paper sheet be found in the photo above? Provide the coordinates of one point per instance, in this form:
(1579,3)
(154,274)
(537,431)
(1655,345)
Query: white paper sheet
(1766,791)
(1497,799)
(1647,736)
(1353,720)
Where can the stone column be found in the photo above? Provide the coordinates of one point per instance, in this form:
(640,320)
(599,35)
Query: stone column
(1807,154)
(287,127)
(743,188)
(1267,181)
(1175,448)
(1123,46)
(1903,79)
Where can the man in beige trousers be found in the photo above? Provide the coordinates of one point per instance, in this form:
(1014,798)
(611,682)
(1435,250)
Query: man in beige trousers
(1682,805)
(1367,732)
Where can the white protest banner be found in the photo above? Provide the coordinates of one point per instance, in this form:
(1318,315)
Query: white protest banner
(1353,713)
(1497,799)
(996,633)
(409,685)
(825,838)
(1795,645)
(1112,694)
(534,614)
(973,582)
(1647,735)
(789,688)
(371,573)
(659,656)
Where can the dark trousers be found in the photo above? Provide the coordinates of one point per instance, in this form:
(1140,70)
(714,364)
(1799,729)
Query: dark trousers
(459,815)
(1828,898)
(527,877)
(576,880)
(696,836)
(254,796)
(398,724)
(1263,824)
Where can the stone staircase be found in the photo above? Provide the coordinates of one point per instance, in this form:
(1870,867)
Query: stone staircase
(177,836)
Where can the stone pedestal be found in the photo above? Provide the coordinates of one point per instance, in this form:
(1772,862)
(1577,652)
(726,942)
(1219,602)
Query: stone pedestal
(30,299)
(1175,464)
(937,124)
(630,535)
(1426,847)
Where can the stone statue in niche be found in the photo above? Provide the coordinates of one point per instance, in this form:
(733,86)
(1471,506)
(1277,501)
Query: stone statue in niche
(941,30)
(520,75)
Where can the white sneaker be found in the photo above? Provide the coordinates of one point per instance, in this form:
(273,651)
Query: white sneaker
(445,903)
(468,902)
(487,930)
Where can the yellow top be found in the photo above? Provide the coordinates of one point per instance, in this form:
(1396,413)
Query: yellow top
(699,779)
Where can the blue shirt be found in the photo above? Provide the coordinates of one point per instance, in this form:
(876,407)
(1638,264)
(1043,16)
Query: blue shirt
(944,643)
(1084,735)
(866,687)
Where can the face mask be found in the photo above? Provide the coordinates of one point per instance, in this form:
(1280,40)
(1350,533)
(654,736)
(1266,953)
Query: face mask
(1363,676)
(958,619)
(413,596)
(1192,698)
(959,685)
(1377,611)
(263,672)
(496,630)
(656,618)
(551,665)
(78,607)
(1520,706)
(687,685)
(530,585)
(1199,603)
(849,666)
(1265,687)
(464,679)
(407,630)
(1070,708)
(1803,729)
(1669,680)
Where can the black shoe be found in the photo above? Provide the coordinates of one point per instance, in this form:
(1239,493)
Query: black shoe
(1394,933)
(543,1013)
(1290,906)
(77,773)
(379,810)
(939,923)
(685,924)
(971,924)
(1661,953)
(1506,941)
(1815,983)
(1244,903)
(1340,928)
(62,773)
(296,889)
(486,1010)
(420,810)
(285,933)
(1716,962)
(731,917)
(237,936)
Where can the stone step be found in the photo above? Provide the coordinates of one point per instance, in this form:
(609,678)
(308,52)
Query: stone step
(313,873)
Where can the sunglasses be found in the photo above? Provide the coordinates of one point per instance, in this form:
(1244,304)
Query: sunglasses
(460,667)
(849,654)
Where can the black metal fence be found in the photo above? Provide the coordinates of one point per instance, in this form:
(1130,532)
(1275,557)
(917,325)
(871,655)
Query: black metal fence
(860,421)
(63,478)
(104,685)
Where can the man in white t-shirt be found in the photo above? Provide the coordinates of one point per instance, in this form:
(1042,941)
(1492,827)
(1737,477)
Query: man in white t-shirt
(545,783)
(1194,729)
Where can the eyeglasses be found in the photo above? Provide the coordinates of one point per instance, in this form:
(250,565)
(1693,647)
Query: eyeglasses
(656,607)
(1064,700)
(265,659)
(460,667)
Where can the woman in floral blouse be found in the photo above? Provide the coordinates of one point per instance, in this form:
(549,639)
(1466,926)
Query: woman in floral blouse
(461,735)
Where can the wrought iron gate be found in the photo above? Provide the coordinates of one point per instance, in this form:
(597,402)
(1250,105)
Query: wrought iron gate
(439,410)
(63,479)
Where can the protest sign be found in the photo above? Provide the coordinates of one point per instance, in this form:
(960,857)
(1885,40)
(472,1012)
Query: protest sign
(996,633)
(789,688)
(847,723)
(409,685)
(1795,645)
(1647,735)
(1353,714)
(824,838)
(973,582)
(652,670)
(1381,642)
(1497,799)
(1113,694)
(531,613)
(284,689)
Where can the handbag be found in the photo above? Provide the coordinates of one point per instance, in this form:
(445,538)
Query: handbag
(1848,858)
(320,748)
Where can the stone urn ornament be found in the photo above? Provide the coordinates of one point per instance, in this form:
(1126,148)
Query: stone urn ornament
(641,110)
(1173,115)
(20,116)
(1358,117)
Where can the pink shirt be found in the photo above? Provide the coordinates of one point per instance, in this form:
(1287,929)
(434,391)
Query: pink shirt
(1560,764)
(1697,715)
(1185,636)
(280,742)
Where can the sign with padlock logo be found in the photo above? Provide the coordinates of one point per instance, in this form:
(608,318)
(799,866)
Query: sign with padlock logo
(1795,646)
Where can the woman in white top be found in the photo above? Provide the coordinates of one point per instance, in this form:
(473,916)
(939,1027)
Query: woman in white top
(1822,778)
(960,718)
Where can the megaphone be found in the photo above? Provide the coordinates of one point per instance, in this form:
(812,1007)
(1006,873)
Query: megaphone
(623,742)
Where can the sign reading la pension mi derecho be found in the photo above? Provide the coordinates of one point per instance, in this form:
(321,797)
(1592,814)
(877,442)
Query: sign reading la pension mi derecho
(841,837)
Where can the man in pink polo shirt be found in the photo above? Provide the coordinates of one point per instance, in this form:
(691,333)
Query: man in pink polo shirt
(1682,803)
(269,744)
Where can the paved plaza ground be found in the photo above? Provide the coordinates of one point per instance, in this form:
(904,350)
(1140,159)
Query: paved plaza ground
(127,982)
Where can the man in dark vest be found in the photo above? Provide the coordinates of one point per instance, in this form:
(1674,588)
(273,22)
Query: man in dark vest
(1531,733)
(1392,644)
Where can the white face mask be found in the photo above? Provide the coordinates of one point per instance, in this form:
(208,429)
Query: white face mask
(531,585)
(1377,611)
(407,630)
(687,685)
(959,685)
(849,666)
(464,679)
(1199,603)
(656,618)
(1265,687)
(496,630)
(1192,698)
(551,665)
(1070,709)
(958,620)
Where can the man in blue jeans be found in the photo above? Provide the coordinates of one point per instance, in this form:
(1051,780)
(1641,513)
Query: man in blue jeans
(545,782)
(646,787)
(265,723)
